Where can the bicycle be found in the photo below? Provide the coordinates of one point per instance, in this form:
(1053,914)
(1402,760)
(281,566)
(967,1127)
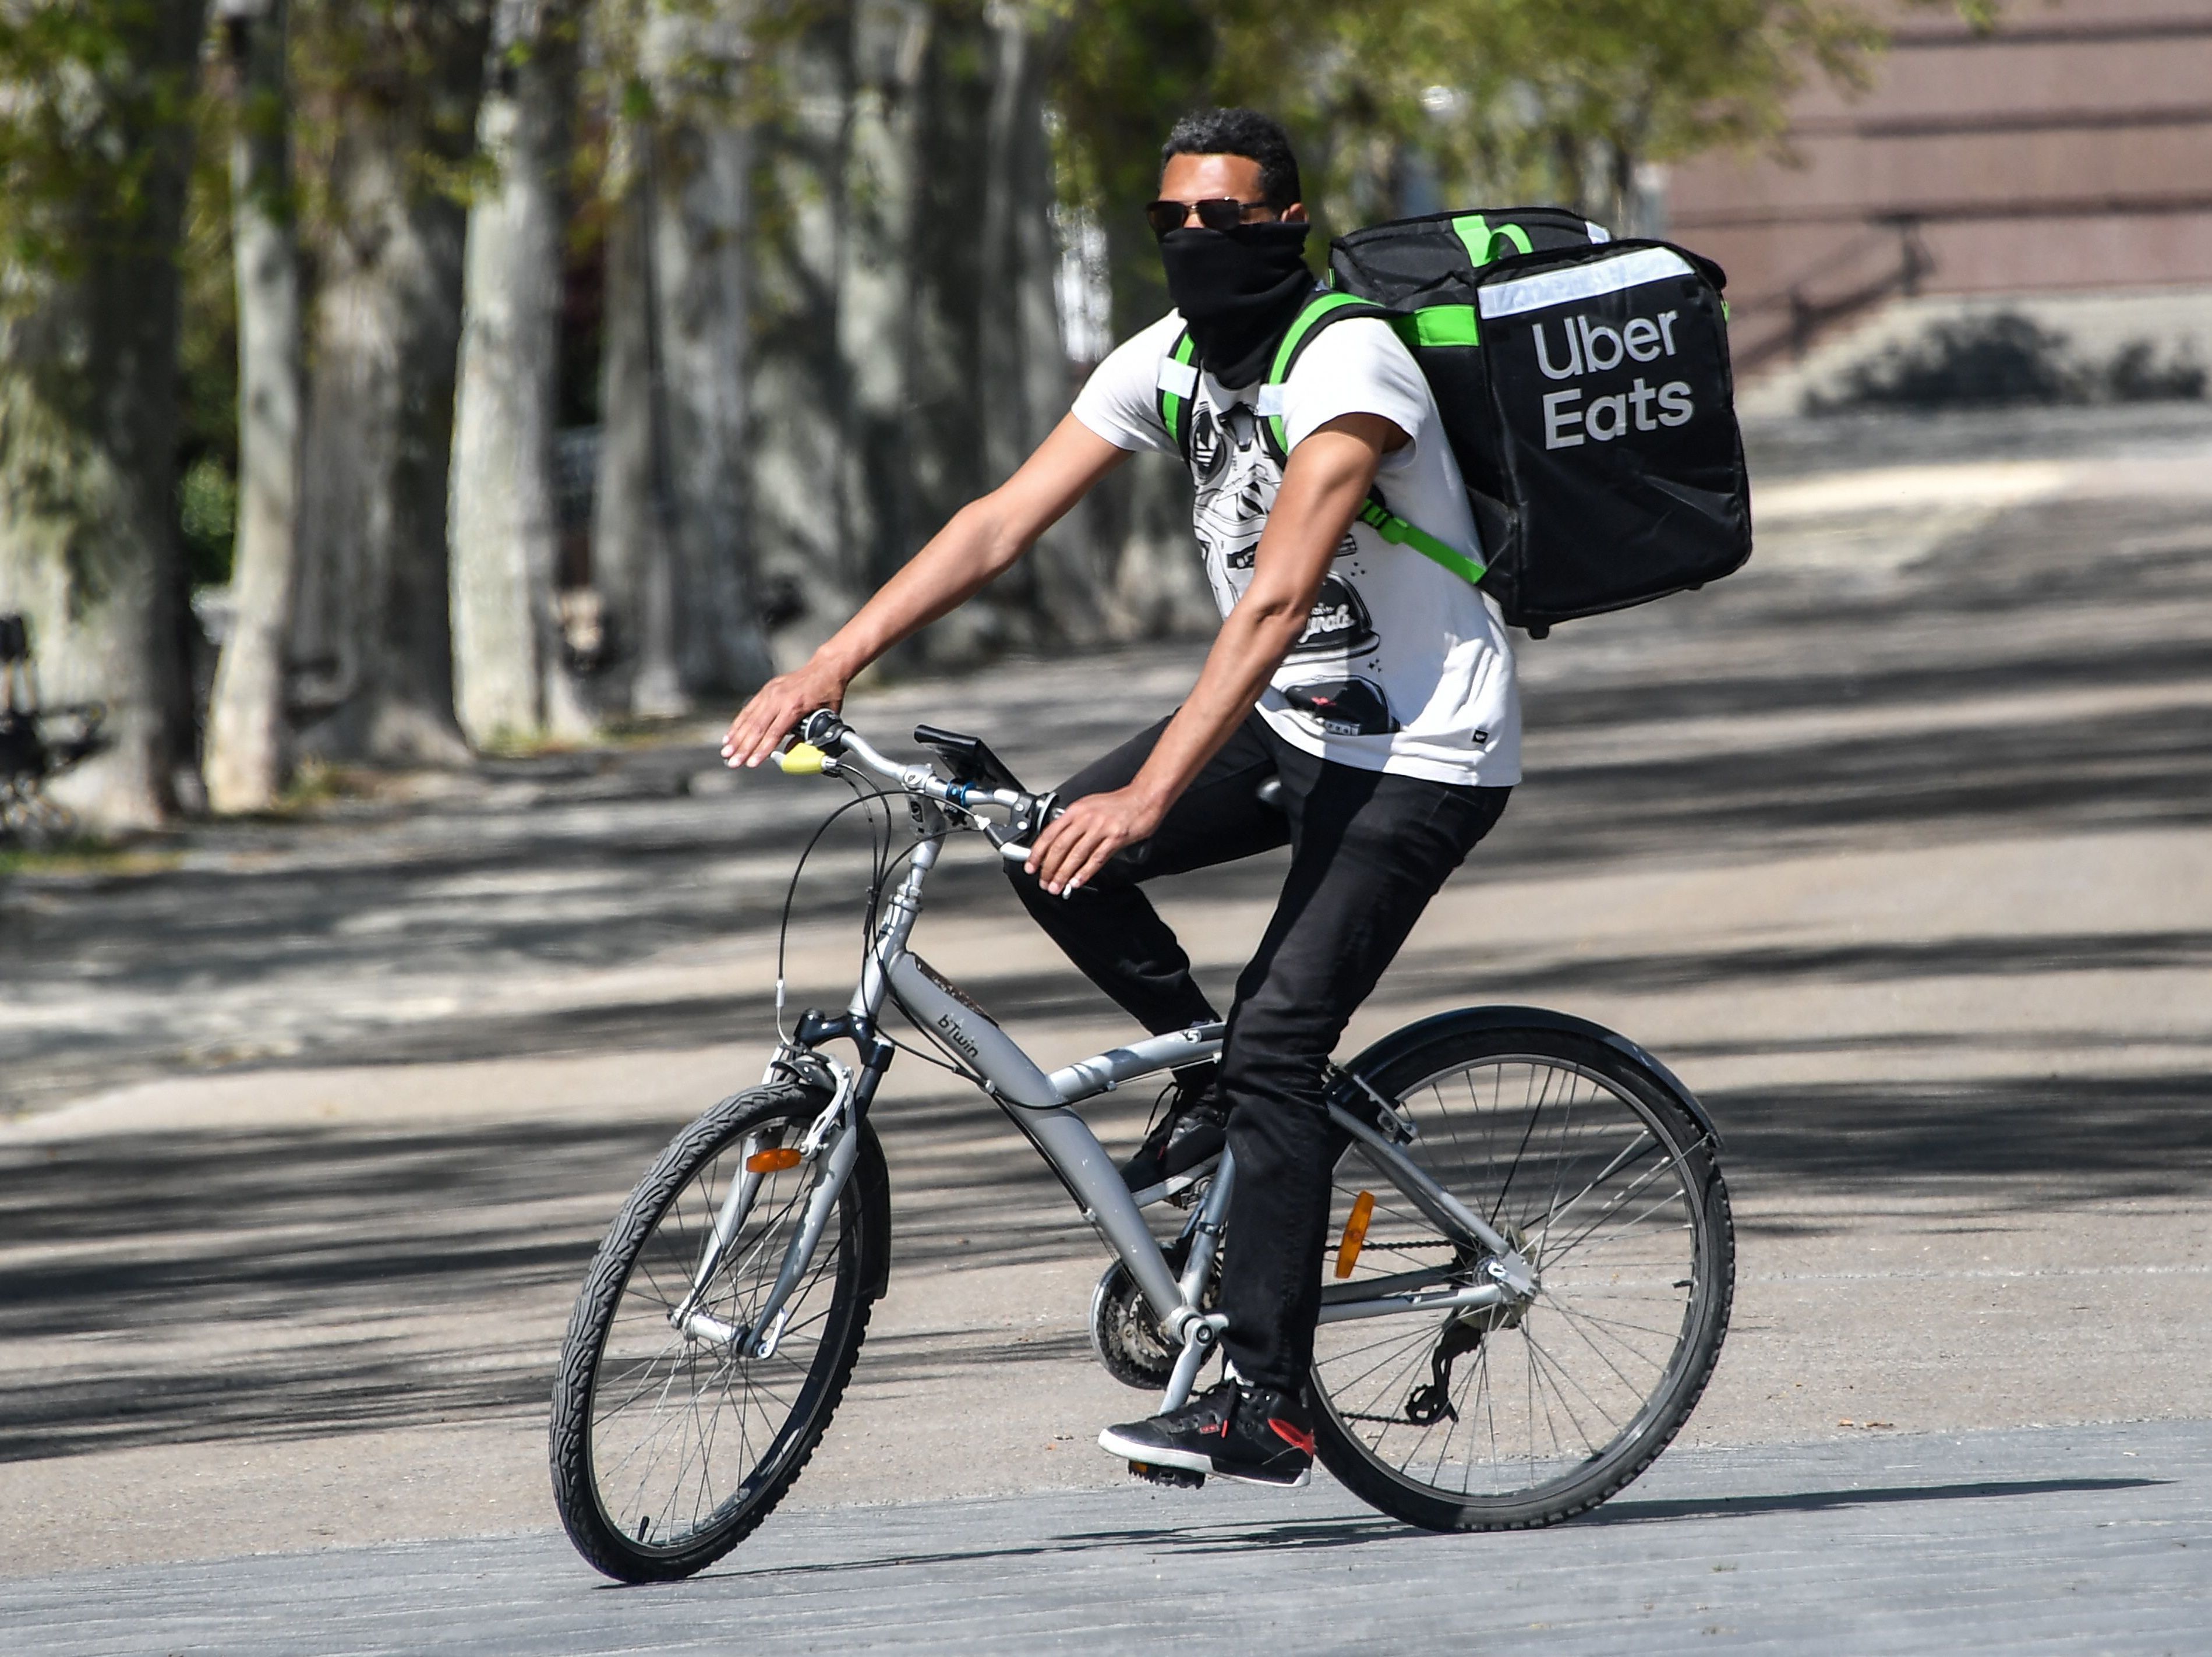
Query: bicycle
(38,743)
(1527,1207)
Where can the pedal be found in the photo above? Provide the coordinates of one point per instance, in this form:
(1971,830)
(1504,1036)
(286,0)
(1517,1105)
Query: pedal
(1181,1479)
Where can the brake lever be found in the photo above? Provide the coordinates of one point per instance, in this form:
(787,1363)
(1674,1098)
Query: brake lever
(1031,815)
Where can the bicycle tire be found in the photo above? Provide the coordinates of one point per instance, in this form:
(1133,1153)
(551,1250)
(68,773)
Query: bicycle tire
(627,1551)
(1348,1439)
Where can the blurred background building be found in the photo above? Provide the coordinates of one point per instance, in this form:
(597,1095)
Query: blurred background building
(2059,166)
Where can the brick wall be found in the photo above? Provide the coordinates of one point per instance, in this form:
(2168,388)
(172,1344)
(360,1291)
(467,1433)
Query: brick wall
(2070,150)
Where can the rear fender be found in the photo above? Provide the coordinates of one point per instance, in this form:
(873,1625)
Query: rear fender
(1374,1060)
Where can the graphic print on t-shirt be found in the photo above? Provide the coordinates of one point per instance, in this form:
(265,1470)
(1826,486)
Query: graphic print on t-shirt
(1343,707)
(1402,666)
(1235,478)
(1338,626)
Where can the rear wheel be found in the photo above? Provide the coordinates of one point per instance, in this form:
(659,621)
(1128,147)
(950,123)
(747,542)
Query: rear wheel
(1497,1419)
(670,1441)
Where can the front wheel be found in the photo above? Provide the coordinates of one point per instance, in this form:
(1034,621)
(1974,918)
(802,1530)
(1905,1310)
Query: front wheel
(671,1440)
(1501,1418)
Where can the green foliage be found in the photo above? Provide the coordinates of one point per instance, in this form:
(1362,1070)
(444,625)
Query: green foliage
(411,65)
(207,512)
(1128,70)
(207,349)
(91,90)
(1519,99)
(1563,98)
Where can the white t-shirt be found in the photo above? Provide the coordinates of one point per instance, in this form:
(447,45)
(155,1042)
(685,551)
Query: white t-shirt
(1403,666)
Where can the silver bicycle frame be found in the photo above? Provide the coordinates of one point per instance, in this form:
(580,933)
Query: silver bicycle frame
(1041,1106)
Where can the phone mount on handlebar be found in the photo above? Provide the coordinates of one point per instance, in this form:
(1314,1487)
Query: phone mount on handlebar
(968,759)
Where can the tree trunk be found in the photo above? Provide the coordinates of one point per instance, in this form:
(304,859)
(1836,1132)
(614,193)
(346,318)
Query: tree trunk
(248,739)
(1158,587)
(986,373)
(510,675)
(1024,357)
(698,163)
(876,284)
(373,614)
(89,546)
(630,506)
(810,569)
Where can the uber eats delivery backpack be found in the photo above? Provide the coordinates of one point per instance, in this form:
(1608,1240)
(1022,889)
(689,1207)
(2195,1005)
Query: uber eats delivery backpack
(1585,386)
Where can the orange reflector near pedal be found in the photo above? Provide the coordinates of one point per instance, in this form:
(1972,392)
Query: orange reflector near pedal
(773,1162)
(1355,1233)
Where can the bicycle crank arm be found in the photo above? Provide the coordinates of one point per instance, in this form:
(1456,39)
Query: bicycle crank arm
(1200,1331)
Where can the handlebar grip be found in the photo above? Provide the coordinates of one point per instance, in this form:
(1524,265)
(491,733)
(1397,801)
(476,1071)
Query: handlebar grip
(801,759)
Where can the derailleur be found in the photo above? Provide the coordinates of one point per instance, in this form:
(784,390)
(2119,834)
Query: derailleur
(1428,1404)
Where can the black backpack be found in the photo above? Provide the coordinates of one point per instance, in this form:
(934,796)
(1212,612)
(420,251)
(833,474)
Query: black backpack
(1585,386)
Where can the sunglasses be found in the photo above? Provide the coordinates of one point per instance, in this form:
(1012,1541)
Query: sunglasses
(1217,213)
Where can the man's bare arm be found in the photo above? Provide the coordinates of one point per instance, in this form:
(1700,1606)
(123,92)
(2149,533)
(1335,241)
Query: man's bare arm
(985,538)
(1326,480)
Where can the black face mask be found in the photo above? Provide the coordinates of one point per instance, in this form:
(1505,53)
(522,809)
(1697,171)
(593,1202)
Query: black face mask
(1238,290)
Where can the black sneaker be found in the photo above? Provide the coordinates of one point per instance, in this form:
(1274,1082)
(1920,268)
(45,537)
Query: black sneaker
(1253,1433)
(1189,1134)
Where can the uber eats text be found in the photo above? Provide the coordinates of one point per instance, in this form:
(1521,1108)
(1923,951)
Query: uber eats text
(1596,348)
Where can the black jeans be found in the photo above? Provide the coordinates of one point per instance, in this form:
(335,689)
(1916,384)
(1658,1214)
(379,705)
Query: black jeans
(1368,851)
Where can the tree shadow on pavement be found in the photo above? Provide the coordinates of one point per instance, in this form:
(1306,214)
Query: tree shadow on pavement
(315,1257)
(1202,1538)
(1360,1530)
(277,1285)
(1993,1144)
(1639,1512)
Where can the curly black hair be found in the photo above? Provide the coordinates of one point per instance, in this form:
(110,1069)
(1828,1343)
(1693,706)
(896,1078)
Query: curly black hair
(1244,132)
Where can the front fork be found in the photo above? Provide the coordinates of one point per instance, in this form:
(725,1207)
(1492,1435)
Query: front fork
(831,1147)
(832,1144)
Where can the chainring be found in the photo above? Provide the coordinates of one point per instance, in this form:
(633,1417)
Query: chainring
(1124,1333)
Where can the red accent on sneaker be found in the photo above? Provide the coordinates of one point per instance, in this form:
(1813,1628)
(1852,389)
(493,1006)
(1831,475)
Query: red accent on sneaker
(1296,1437)
(1219,1428)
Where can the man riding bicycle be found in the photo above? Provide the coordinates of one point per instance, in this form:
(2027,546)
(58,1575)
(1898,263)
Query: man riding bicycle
(1374,686)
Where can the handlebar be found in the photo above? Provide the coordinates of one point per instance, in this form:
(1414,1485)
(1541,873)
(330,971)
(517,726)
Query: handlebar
(824,743)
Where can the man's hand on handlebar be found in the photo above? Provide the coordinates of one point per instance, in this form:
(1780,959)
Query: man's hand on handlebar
(777,706)
(1075,845)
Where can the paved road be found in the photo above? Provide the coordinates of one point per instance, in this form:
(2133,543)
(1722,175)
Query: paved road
(1895,846)
(2085,1539)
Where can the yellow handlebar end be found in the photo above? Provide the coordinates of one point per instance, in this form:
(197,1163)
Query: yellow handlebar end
(802,759)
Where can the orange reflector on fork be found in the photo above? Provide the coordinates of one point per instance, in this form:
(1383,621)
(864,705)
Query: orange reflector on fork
(1355,1233)
(774,1161)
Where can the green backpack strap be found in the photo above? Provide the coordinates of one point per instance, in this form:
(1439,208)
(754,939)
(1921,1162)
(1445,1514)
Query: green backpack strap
(1400,533)
(1327,308)
(1321,311)
(1178,381)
